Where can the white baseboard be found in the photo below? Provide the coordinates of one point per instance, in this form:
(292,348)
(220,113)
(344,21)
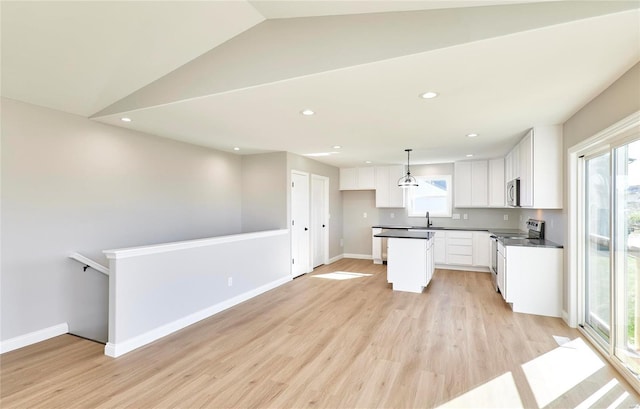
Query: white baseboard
(565,318)
(336,258)
(117,349)
(463,268)
(33,337)
(358,256)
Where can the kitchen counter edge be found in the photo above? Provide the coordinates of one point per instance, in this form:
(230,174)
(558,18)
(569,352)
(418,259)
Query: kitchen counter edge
(497,232)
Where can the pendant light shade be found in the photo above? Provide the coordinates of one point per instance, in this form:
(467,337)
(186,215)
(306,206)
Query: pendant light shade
(407,180)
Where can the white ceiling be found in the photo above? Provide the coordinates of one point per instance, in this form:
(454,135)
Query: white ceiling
(236,79)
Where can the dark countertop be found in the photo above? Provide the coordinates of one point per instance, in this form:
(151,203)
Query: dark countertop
(406,234)
(413,232)
(401,227)
(524,242)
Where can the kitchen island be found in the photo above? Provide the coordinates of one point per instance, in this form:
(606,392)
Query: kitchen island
(410,261)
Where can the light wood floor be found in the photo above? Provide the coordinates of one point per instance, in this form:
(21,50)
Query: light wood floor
(323,343)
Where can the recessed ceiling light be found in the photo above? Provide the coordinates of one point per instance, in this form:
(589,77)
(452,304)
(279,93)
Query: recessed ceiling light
(472,135)
(429,95)
(125,119)
(337,147)
(367,161)
(236,149)
(469,155)
(307,112)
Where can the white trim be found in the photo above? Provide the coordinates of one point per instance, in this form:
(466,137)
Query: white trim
(115,350)
(188,244)
(476,269)
(358,256)
(336,258)
(33,337)
(565,318)
(325,233)
(88,262)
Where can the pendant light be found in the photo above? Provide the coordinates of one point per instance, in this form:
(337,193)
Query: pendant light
(407,180)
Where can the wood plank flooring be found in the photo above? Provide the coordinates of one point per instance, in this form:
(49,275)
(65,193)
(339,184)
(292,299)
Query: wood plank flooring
(319,342)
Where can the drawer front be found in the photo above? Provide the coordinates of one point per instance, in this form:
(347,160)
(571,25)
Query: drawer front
(460,260)
(459,250)
(460,242)
(460,235)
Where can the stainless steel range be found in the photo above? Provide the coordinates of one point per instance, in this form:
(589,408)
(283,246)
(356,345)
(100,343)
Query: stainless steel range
(535,232)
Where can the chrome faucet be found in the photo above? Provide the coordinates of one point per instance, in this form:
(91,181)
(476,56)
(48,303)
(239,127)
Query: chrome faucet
(429,224)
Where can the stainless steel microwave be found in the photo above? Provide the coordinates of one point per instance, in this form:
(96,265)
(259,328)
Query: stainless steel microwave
(513,193)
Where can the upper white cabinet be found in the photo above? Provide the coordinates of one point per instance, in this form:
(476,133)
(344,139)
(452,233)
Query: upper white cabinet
(388,193)
(357,178)
(479,183)
(540,164)
(497,183)
(512,164)
(462,184)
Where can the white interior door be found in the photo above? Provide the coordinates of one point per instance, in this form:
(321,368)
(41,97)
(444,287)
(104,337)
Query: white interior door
(300,248)
(319,220)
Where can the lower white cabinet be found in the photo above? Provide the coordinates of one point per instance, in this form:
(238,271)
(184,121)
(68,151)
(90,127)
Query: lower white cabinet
(450,248)
(481,249)
(531,279)
(410,265)
(460,248)
(440,247)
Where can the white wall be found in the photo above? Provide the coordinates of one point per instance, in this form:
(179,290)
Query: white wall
(71,184)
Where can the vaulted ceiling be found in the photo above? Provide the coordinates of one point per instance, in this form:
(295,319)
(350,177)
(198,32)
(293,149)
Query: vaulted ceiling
(227,74)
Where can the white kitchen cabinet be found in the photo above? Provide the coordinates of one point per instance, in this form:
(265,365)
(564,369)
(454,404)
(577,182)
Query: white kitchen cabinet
(357,178)
(497,183)
(440,248)
(502,266)
(462,184)
(388,193)
(526,170)
(376,246)
(459,248)
(541,168)
(532,279)
(409,267)
(481,249)
(471,184)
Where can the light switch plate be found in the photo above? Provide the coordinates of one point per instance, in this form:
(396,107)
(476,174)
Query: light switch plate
(456,216)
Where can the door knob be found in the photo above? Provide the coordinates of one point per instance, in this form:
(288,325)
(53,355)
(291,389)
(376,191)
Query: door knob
(323,225)
(305,229)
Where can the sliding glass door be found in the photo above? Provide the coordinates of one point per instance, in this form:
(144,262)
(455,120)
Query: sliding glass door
(627,253)
(611,250)
(597,245)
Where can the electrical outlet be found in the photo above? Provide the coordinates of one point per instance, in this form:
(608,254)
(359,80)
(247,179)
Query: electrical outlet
(392,215)
(505,217)
(456,216)
(364,215)
(465,216)
(520,217)
(230,281)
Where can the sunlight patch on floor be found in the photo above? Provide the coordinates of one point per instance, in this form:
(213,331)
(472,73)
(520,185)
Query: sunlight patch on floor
(558,371)
(597,395)
(500,392)
(341,275)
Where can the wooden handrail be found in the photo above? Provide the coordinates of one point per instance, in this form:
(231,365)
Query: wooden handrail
(89,263)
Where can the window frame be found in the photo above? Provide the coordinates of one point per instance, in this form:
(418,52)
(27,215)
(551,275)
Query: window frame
(411,212)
